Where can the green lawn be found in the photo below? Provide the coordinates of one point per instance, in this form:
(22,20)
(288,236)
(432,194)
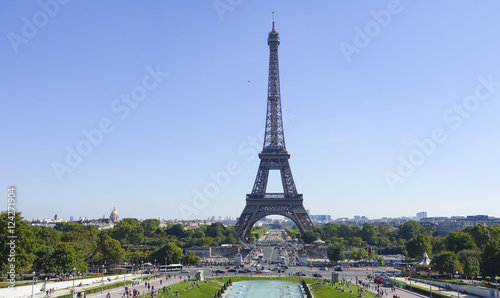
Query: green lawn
(206,289)
(320,290)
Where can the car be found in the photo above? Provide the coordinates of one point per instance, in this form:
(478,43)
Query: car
(258,271)
(247,270)
(147,272)
(219,271)
(231,270)
(184,271)
(339,268)
(266,271)
(242,271)
(317,275)
(323,268)
(300,274)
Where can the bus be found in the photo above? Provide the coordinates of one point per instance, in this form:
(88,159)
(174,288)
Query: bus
(171,267)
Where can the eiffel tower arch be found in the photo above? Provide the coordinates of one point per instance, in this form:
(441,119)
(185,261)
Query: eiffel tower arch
(274,156)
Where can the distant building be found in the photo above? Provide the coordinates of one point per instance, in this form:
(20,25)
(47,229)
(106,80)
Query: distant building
(421,215)
(444,225)
(114,216)
(321,217)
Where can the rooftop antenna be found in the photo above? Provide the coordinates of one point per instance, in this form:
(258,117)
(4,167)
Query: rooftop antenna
(273,20)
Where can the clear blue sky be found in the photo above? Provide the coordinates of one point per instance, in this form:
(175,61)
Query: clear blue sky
(360,82)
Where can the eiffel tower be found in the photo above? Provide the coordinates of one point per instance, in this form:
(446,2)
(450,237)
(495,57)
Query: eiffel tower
(273,157)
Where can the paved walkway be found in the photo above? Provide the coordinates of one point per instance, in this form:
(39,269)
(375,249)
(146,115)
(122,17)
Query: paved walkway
(63,287)
(156,282)
(451,293)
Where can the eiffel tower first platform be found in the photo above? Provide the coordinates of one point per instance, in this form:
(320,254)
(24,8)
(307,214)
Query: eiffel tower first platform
(273,157)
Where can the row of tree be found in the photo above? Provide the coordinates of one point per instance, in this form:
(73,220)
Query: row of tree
(72,245)
(474,250)
(367,235)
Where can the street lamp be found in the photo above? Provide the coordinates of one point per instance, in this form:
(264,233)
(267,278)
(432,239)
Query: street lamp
(74,269)
(458,291)
(496,279)
(430,281)
(102,278)
(33,286)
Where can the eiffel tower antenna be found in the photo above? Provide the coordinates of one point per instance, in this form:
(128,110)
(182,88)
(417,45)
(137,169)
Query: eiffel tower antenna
(273,20)
(274,156)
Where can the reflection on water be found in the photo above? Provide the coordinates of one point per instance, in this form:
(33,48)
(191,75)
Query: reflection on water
(265,288)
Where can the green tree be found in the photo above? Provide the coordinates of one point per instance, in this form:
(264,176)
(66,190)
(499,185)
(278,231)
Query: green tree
(215,229)
(208,241)
(65,257)
(419,245)
(347,232)
(172,252)
(356,253)
(369,233)
(494,230)
(128,231)
(199,233)
(47,235)
(446,261)
(151,227)
(84,239)
(191,259)
(176,230)
(67,226)
(44,259)
(335,252)
(490,258)
(409,230)
(480,234)
(111,250)
(309,237)
(438,244)
(470,261)
(330,230)
(356,241)
(458,240)
(19,251)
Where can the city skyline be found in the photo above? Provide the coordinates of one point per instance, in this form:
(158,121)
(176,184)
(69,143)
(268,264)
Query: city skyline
(390,107)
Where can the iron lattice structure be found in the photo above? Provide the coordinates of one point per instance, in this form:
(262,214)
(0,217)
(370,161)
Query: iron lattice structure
(273,157)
